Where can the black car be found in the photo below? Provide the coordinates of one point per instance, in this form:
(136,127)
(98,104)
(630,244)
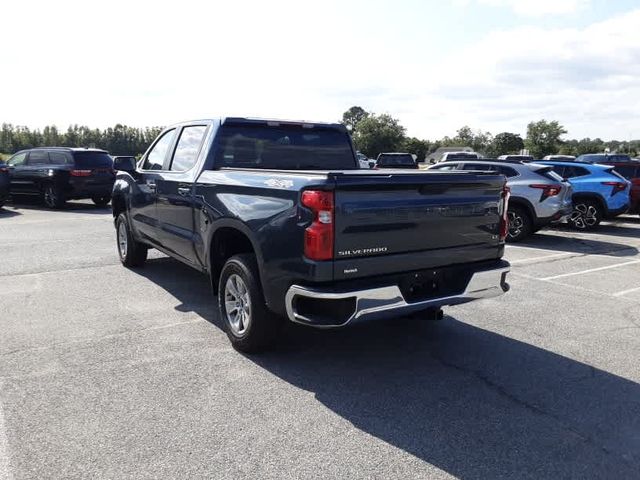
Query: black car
(4,184)
(395,160)
(58,174)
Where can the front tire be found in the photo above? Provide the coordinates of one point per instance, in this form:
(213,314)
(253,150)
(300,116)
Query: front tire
(586,215)
(520,224)
(131,252)
(53,196)
(249,324)
(101,201)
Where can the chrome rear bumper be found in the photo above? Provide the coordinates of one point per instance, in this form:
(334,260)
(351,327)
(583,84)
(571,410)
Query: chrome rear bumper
(388,301)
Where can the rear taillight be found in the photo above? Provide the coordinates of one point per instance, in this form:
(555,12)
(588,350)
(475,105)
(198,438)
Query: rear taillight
(4,169)
(504,220)
(318,237)
(548,190)
(617,186)
(80,173)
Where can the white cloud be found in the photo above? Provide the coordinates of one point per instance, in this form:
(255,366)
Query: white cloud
(144,64)
(585,78)
(537,8)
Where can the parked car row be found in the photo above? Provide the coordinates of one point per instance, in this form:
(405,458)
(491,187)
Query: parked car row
(581,193)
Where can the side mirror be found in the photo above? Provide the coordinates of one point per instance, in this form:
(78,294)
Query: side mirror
(125,164)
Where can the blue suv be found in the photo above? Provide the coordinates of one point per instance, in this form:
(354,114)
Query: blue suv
(598,192)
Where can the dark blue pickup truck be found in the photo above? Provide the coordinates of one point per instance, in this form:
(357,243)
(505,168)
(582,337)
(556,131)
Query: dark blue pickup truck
(287,226)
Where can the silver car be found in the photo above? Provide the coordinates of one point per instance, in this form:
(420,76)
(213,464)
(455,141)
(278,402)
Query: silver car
(538,195)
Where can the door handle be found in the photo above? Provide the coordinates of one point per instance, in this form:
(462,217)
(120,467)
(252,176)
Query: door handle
(184,191)
(151,186)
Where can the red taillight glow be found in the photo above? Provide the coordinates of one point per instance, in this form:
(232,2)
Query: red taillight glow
(318,238)
(4,169)
(617,187)
(504,220)
(80,173)
(547,190)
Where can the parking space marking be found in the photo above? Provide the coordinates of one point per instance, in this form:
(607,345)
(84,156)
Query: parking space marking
(570,274)
(624,292)
(5,472)
(542,258)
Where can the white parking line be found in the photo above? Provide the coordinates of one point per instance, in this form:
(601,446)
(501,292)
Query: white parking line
(542,258)
(5,472)
(562,275)
(624,292)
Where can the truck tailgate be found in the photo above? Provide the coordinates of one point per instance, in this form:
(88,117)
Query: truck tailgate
(400,221)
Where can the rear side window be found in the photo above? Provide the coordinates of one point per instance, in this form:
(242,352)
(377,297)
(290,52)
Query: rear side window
(38,157)
(188,147)
(549,173)
(155,158)
(284,147)
(59,158)
(86,160)
(628,171)
(573,172)
(508,171)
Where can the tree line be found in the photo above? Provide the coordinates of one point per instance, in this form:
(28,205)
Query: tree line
(117,140)
(375,133)
(372,134)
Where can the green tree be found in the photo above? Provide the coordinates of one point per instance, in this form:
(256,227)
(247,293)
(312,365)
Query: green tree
(352,117)
(505,143)
(418,147)
(379,133)
(543,138)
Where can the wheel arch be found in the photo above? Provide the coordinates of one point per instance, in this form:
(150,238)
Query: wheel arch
(229,238)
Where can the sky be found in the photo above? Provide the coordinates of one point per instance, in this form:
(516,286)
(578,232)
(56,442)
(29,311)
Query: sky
(436,65)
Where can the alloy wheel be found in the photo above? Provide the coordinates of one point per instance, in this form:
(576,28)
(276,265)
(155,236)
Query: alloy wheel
(237,304)
(516,224)
(122,240)
(584,216)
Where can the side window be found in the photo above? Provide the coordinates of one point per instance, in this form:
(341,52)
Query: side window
(448,166)
(559,169)
(17,160)
(58,158)
(573,172)
(155,158)
(508,172)
(479,166)
(38,157)
(188,147)
(627,171)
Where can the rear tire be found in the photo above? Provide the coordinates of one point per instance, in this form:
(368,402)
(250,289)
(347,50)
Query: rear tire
(53,196)
(131,252)
(249,324)
(586,215)
(520,224)
(101,201)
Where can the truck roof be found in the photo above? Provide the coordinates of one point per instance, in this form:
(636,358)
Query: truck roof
(264,121)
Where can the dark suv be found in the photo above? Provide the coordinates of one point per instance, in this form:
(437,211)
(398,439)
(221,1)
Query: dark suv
(58,174)
(4,183)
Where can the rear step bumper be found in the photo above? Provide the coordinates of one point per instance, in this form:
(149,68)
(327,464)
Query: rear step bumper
(330,309)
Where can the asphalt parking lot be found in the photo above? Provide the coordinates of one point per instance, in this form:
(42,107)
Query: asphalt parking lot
(113,373)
